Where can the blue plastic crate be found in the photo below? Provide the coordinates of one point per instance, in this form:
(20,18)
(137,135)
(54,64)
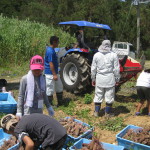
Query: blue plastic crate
(87,134)
(15,147)
(106,146)
(3,96)
(7,103)
(3,136)
(130,144)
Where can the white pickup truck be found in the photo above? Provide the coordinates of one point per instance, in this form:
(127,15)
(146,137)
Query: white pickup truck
(123,48)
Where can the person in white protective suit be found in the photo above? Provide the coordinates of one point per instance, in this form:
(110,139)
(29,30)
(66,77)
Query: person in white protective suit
(105,73)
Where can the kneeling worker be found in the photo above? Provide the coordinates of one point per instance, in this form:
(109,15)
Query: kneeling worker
(35,130)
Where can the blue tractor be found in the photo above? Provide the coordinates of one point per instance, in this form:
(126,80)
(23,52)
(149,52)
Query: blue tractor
(75,61)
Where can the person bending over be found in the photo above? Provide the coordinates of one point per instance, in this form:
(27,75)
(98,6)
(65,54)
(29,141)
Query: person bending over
(36,130)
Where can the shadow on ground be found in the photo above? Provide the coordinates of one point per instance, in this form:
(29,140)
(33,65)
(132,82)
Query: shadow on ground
(126,99)
(120,110)
(145,111)
(116,111)
(66,101)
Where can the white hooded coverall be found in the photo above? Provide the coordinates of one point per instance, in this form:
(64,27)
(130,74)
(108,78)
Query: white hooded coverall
(105,71)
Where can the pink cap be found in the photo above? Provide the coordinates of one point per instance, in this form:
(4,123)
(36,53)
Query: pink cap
(37,62)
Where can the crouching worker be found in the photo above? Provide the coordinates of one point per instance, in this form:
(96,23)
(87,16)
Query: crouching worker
(32,92)
(105,72)
(36,130)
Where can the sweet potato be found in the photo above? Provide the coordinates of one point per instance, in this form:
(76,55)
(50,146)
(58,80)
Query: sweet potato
(73,128)
(139,136)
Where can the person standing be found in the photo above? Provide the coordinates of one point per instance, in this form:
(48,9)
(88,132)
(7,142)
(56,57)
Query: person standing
(36,131)
(32,92)
(105,73)
(53,81)
(143,90)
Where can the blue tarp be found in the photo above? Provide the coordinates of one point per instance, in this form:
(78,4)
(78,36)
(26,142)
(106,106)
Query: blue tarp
(86,24)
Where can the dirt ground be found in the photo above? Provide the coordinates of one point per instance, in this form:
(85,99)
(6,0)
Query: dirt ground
(124,107)
(110,136)
(105,135)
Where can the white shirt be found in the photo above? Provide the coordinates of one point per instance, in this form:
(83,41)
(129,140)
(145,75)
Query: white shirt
(105,69)
(144,80)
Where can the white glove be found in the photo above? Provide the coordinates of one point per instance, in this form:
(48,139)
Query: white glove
(19,115)
(51,111)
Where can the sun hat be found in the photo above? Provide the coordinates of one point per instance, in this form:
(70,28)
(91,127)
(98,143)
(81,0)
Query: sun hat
(8,120)
(37,63)
(105,46)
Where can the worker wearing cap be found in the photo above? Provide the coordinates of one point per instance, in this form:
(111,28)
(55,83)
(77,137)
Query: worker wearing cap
(36,130)
(32,92)
(53,81)
(105,72)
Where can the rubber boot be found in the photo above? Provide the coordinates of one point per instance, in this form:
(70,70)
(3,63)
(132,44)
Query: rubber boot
(50,98)
(97,109)
(108,110)
(137,114)
(59,99)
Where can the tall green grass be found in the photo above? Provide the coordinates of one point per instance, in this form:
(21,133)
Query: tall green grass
(20,40)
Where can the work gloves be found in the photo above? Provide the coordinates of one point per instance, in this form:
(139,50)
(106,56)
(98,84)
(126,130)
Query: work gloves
(51,111)
(19,115)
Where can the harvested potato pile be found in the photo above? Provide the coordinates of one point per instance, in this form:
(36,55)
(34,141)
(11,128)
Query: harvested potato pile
(73,128)
(93,145)
(9,143)
(140,136)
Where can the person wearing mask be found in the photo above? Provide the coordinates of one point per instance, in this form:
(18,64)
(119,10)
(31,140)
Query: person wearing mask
(105,73)
(32,92)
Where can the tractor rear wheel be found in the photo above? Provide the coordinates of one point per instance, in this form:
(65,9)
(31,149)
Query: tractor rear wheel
(75,73)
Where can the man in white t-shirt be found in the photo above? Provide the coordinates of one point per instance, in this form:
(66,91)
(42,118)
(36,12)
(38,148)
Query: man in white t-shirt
(143,90)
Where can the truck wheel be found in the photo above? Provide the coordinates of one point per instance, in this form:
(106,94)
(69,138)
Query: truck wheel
(75,73)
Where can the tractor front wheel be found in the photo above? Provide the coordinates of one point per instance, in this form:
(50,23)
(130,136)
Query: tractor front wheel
(75,73)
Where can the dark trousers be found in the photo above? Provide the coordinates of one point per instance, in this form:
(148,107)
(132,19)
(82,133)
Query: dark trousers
(57,146)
